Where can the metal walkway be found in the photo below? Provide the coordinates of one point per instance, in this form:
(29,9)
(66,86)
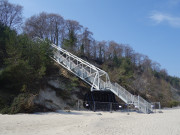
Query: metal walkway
(97,78)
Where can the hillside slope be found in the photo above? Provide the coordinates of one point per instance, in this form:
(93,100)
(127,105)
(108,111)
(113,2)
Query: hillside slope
(30,81)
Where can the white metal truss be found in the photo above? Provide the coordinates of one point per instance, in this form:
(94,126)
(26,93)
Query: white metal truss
(97,78)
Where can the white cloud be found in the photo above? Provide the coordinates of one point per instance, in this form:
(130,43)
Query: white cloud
(173,2)
(158,18)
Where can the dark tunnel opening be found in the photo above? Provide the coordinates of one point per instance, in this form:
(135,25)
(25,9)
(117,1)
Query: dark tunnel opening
(101,100)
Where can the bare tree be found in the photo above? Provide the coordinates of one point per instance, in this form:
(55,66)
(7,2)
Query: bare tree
(56,28)
(114,50)
(72,25)
(94,49)
(147,63)
(128,51)
(139,59)
(119,50)
(86,41)
(112,46)
(72,35)
(37,26)
(45,25)
(101,47)
(156,66)
(10,14)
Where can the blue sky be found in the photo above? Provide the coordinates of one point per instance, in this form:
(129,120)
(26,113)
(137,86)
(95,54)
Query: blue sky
(150,27)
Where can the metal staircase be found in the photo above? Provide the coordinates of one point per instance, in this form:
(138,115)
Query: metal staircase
(97,78)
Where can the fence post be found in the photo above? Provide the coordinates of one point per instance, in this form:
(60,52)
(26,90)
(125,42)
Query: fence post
(138,101)
(128,109)
(94,106)
(159,105)
(111,107)
(78,106)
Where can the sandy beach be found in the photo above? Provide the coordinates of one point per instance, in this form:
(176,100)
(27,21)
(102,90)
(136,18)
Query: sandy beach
(92,123)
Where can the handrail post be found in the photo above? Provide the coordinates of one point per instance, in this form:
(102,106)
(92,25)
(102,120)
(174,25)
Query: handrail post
(138,101)
(98,80)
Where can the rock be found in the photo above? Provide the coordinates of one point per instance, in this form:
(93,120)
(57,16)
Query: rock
(57,84)
(160,111)
(49,99)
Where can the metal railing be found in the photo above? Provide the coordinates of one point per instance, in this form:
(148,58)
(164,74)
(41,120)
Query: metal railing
(99,106)
(97,78)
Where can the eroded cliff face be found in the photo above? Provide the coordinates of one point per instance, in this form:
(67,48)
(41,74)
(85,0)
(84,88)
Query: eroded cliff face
(62,90)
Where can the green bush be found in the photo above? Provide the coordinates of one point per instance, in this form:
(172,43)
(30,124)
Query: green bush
(1,104)
(173,103)
(5,102)
(23,103)
(75,82)
(5,110)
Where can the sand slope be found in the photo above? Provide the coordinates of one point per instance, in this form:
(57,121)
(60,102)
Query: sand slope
(90,123)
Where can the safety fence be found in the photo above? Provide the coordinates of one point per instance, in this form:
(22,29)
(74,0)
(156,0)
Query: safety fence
(104,106)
